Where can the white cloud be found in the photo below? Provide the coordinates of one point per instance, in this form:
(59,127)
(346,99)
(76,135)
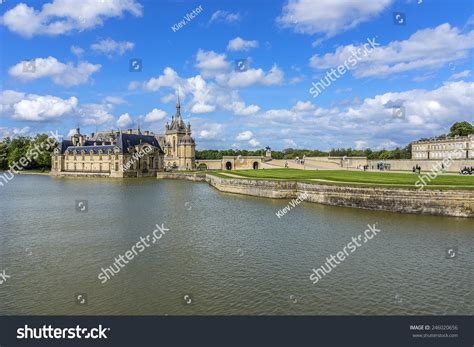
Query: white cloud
(155,115)
(202,108)
(329,17)
(169,79)
(221,16)
(361,144)
(427,113)
(124,121)
(462,74)
(111,47)
(115,100)
(95,114)
(251,77)
(35,108)
(254,143)
(77,51)
(240,109)
(425,49)
(14,132)
(62,74)
(211,63)
(65,16)
(210,131)
(244,136)
(239,44)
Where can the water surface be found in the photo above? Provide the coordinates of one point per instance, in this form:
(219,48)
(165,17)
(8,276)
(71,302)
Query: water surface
(228,254)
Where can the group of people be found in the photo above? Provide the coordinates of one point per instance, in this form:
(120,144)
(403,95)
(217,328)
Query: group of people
(417,168)
(467,171)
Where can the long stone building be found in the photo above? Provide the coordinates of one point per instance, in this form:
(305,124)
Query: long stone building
(458,147)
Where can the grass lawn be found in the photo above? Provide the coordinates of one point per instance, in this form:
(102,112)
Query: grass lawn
(356,178)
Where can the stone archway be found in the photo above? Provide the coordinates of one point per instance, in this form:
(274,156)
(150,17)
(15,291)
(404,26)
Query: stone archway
(228,165)
(202,166)
(255,165)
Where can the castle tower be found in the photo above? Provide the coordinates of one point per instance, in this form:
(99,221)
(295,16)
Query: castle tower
(180,146)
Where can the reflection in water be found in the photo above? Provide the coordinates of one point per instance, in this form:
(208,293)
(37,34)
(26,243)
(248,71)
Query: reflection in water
(223,254)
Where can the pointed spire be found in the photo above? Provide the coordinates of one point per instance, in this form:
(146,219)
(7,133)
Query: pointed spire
(178,105)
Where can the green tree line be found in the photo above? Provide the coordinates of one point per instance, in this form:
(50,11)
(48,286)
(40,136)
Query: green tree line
(457,129)
(12,150)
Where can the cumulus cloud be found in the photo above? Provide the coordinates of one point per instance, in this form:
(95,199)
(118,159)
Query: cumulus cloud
(77,51)
(155,115)
(66,75)
(244,136)
(211,63)
(95,114)
(328,17)
(210,131)
(427,113)
(251,77)
(35,108)
(239,44)
(65,16)
(426,49)
(124,121)
(111,47)
(254,143)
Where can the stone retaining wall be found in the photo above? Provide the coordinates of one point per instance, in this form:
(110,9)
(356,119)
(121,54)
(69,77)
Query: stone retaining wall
(430,202)
(195,177)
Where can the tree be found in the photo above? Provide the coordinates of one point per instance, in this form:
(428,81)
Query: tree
(4,155)
(461,129)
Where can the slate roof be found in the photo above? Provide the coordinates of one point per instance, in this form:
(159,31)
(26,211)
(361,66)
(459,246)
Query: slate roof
(124,141)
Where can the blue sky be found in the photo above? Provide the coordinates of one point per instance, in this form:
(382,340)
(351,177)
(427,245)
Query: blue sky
(78,56)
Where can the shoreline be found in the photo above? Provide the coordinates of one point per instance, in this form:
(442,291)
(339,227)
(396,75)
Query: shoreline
(448,203)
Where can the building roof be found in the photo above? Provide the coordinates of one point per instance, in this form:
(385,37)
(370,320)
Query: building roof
(123,143)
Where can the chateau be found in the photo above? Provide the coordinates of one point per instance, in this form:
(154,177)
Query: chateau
(127,154)
(458,147)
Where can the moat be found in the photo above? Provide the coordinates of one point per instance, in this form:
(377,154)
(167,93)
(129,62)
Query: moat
(223,254)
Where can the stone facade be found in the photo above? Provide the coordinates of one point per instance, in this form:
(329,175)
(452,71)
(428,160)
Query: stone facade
(119,155)
(458,147)
(179,146)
